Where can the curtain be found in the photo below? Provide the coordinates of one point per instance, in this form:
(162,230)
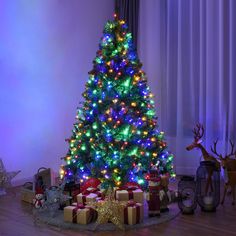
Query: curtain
(188,48)
(128,10)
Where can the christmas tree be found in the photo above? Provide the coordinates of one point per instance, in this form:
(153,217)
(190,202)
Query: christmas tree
(116,137)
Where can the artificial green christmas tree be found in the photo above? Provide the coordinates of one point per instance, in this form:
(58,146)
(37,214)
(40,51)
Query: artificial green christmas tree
(116,137)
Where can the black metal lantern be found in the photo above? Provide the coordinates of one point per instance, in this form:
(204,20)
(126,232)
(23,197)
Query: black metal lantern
(187,195)
(208,186)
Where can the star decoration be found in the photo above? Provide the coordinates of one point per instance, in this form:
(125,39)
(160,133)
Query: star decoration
(6,177)
(109,210)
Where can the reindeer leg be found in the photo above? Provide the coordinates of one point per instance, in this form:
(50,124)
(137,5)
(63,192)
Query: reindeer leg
(225,190)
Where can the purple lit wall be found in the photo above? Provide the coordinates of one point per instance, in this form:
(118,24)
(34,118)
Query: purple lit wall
(46,50)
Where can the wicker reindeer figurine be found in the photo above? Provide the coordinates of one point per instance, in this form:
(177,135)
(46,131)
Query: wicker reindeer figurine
(197,143)
(229,166)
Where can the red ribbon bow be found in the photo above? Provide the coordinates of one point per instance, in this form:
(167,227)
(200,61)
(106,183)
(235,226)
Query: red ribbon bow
(131,203)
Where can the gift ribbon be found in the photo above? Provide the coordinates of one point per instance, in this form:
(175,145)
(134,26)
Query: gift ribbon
(74,212)
(87,192)
(94,190)
(132,204)
(130,190)
(81,206)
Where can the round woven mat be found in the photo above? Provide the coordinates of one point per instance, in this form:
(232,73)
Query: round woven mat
(58,220)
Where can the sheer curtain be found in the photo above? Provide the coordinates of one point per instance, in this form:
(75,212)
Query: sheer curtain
(188,48)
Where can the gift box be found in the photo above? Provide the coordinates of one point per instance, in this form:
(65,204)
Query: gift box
(90,195)
(28,192)
(79,214)
(132,193)
(133,213)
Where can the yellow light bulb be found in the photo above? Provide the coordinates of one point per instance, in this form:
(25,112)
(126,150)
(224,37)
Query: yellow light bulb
(136,78)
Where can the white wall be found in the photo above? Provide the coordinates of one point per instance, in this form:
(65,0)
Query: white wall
(46,50)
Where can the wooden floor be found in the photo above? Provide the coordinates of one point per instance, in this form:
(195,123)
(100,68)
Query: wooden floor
(16,220)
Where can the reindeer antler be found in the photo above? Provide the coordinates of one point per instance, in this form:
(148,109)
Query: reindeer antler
(198,131)
(232,148)
(214,150)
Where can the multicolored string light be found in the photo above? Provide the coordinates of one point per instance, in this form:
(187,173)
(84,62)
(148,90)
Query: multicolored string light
(116,137)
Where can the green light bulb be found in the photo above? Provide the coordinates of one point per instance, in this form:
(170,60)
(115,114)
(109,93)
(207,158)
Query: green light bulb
(95,126)
(88,133)
(140,181)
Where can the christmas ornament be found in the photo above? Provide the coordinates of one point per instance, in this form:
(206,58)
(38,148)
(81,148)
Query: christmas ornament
(5,178)
(109,210)
(39,200)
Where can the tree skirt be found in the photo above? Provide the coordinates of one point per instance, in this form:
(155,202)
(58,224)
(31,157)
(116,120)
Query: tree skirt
(58,221)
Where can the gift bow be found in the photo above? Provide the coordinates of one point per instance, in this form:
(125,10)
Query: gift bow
(131,203)
(90,190)
(128,188)
(80,206)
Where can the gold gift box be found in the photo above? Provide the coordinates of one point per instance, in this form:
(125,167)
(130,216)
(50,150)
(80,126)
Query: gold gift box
(82,215)
(123,195)
(89,198)
(132,214)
